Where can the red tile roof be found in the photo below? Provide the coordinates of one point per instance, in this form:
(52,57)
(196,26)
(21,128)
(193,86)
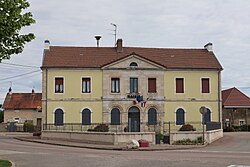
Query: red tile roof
(23,101)
(234,98)
(96,57)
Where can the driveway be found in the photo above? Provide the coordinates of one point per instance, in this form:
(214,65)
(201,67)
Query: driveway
(231,142)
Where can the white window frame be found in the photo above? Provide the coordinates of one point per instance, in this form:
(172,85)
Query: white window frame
(55,85)
(91,83)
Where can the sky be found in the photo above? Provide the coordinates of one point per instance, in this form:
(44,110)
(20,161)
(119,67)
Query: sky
(143,23)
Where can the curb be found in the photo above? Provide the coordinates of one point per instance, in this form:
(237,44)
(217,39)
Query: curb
(115,149)
(12,163)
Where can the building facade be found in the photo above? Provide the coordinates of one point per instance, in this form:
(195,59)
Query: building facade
(23,107)
(136,88)
(236,108)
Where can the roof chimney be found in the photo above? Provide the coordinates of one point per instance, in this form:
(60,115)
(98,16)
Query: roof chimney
(119,45)
(10,91)
(98,37)
(209,47)
(46,44)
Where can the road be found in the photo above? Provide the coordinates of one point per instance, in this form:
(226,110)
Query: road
(233,149)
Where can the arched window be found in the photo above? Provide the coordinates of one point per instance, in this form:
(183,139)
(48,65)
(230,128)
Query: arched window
(133,65)
(207,117)
(86,117)
(115,116)
(58,117)
(180,117)
(152,116)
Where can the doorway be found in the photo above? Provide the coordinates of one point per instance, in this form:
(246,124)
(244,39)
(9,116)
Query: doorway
(133,119)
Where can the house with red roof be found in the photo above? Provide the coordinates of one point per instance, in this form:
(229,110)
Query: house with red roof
(236,108)
(23,107)
(130,88)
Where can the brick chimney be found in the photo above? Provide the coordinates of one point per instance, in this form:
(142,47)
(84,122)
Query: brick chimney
(119,45)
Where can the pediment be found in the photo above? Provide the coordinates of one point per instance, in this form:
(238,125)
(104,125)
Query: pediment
(131,61)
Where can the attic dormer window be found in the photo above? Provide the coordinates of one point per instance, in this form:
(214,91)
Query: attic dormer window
(133,65)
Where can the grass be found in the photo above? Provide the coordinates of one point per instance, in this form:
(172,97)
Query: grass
(5,163)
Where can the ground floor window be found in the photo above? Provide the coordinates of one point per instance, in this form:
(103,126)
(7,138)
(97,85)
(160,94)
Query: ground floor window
(152,116)
(86,117)
(180,117)
(242,122)
(115,116)
(58,117)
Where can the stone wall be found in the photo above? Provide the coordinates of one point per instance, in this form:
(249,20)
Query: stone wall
(99,137)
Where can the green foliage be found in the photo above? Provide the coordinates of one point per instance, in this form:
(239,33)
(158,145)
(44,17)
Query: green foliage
(189,142)
(5,163)
(28,127)
(240,128)
(160,135)
(187,127)
(12,20)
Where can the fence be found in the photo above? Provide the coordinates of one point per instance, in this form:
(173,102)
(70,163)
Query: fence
(160,127)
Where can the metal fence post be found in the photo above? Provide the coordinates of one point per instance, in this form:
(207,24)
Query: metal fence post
(203,135)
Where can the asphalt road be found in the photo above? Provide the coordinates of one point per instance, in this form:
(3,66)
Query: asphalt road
(233,150)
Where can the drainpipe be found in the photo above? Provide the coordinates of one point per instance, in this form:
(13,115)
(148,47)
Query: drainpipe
(219,96)
(46,120)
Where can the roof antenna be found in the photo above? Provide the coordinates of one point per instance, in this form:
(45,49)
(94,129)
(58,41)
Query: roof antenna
(115,31)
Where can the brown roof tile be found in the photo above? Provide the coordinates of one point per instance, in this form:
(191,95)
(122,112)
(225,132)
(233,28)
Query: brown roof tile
(93,57)
(234,98)
(22,101)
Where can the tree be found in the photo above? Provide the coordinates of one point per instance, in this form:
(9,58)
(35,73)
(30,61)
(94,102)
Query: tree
(12,20)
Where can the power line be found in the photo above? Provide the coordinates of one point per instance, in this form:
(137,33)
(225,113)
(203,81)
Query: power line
(20,65)
(16,79)
(20,75)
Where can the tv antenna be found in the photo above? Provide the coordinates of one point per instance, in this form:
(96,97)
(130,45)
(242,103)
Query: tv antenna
(115,30)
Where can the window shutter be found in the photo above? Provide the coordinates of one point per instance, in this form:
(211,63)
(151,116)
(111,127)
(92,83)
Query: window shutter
(205,85)
(179,85)
(152,85)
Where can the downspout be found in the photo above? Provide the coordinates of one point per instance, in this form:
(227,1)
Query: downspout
(46,119)
(219,96)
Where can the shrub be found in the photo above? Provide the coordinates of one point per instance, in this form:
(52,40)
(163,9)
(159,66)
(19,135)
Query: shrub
(245,128)
(28,127)
(158,134)
(187,127)
(189,141)
(229,129)
(100,128)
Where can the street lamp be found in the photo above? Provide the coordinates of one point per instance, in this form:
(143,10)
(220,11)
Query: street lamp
(203,111)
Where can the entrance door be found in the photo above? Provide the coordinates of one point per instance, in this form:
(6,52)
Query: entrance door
(134,119)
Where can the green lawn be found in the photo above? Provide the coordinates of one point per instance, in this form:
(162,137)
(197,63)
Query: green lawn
(5,163)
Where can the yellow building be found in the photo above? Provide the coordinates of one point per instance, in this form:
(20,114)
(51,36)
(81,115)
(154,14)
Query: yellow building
(135,89)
